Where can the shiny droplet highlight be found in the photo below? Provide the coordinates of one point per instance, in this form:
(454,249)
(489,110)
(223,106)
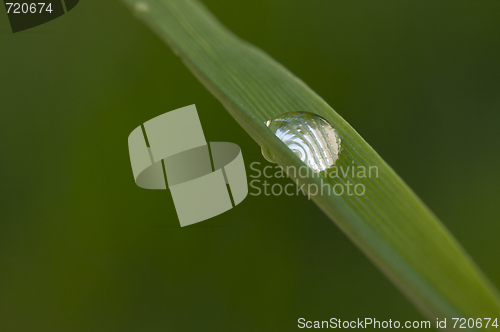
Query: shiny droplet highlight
(309,136)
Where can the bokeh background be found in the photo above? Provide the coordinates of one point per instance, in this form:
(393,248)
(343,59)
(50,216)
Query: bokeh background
(83,249)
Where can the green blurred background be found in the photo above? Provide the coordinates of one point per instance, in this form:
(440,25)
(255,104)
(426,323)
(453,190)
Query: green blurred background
(82,248)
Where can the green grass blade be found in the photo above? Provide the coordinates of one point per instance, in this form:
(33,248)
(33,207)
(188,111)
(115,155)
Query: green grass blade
(389,223)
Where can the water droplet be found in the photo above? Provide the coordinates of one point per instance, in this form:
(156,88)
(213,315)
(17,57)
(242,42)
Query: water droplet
(309,136)
(142,7)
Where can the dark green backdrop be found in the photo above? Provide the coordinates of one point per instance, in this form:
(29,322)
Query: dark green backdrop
(83,249)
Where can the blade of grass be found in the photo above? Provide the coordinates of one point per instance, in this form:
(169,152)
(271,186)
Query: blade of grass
(389,223)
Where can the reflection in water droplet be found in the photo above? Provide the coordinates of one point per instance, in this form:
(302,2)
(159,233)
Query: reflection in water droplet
(309,136)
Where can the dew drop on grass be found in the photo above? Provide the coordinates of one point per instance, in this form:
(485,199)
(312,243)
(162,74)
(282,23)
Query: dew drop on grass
(309,136)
